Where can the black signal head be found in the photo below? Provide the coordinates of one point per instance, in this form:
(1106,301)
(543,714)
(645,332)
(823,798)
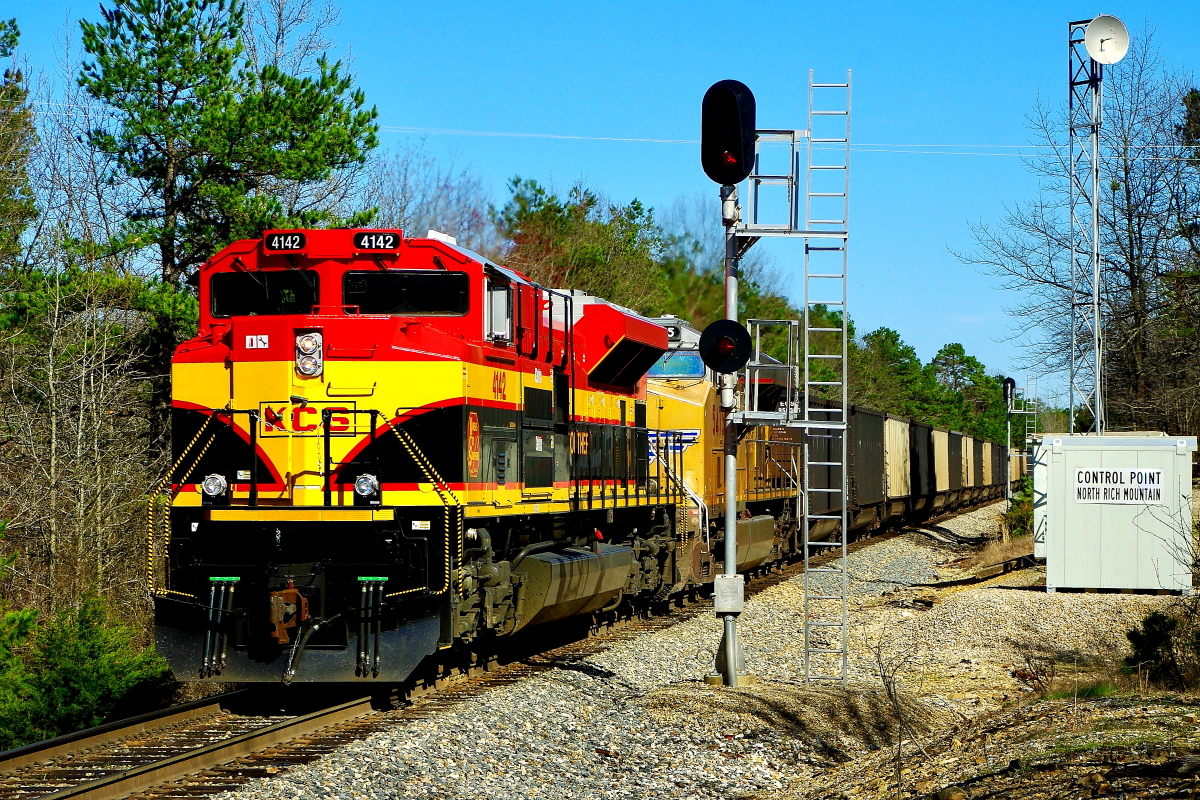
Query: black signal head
(1010,390)
(725,346)
(727,132)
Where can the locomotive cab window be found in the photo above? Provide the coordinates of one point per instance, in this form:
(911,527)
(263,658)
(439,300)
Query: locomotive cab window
(407,293)
(249,294)
(499,318)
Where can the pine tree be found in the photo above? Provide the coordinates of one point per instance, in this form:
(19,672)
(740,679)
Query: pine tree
(200,133)
(17,138)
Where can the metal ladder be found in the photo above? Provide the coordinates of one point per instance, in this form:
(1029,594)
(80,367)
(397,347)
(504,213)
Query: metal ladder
(1030,407)
(825,496)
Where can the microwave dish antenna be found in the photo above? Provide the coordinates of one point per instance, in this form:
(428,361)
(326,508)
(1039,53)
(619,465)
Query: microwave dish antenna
(1106,39)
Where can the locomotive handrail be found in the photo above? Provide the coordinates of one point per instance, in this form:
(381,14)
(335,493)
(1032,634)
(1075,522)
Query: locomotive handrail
(701,506)
(621,465)
(155,494)
(327,440)
(252,430)
(439,484)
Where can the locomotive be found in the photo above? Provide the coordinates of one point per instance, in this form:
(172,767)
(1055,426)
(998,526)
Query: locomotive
(388,446)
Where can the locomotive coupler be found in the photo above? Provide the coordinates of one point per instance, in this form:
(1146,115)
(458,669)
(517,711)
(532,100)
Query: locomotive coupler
(288,607)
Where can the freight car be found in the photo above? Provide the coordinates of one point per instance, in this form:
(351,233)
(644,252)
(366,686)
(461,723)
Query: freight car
(388,446)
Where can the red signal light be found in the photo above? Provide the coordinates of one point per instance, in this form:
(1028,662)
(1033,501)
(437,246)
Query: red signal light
(727,132)
(725,346)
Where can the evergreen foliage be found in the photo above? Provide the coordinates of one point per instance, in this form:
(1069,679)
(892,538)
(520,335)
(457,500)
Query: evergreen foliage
(1018,520)
(17,139)
(1154,650)
(201,132)
(952,391)
(69,673)
(582,242)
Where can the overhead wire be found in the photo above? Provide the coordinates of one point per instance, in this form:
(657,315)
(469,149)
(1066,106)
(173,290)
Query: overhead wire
(894,148)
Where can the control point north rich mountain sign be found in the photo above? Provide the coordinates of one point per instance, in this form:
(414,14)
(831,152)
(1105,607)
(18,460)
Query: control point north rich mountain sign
(1119,486)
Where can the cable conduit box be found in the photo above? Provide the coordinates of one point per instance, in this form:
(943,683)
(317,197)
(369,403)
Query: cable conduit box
(1114,511)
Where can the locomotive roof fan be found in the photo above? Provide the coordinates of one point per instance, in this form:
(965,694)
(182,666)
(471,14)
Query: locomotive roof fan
(725,346)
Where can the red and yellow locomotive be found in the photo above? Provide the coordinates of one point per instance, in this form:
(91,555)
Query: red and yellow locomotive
(387,445)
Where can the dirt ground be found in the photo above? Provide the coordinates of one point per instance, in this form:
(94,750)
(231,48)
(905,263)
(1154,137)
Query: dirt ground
(1015,693)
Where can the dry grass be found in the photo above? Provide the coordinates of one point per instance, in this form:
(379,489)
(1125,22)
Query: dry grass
(854,720)
(997,551)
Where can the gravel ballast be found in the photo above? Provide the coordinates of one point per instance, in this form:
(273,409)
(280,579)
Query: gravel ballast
(637,720)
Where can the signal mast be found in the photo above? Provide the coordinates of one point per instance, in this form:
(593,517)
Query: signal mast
(817,211)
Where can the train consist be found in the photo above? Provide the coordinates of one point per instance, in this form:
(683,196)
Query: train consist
(388,446)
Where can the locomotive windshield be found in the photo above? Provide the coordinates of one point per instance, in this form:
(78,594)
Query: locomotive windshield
(248,294)
(678,364)
(407,293)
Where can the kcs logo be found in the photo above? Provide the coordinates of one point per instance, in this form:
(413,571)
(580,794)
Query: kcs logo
(285,419)
(473,445)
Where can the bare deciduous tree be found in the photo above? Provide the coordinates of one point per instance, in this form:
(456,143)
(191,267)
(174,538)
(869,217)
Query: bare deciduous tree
(73,453)
(695,223)
(289,34)
(414,193)
(893,653)
(1150,197)
(75,438)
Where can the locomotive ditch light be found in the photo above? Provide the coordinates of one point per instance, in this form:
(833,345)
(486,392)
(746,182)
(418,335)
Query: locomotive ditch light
(214,485)
(366,490)
(366,485)
(725,346)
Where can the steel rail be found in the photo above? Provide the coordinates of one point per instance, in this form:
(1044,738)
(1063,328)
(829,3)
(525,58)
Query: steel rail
(112,731)
(144,777)
(446,690)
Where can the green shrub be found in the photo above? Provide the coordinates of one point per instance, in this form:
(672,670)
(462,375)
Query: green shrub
(15,627)
(1018,520)
(71,673)
(1154,650)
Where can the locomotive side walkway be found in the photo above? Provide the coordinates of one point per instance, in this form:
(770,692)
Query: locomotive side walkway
(637,720)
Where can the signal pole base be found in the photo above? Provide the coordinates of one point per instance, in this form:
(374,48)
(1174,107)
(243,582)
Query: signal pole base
(730,651)
(743,679)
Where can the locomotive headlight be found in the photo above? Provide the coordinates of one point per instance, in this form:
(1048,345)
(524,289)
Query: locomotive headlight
(309,343)
(308,365)
(366,485)
(214,485)
(308,353)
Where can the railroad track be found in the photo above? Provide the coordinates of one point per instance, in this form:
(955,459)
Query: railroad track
(204,748)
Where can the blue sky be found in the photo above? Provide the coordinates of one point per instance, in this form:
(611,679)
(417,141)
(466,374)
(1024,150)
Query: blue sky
(929,73)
